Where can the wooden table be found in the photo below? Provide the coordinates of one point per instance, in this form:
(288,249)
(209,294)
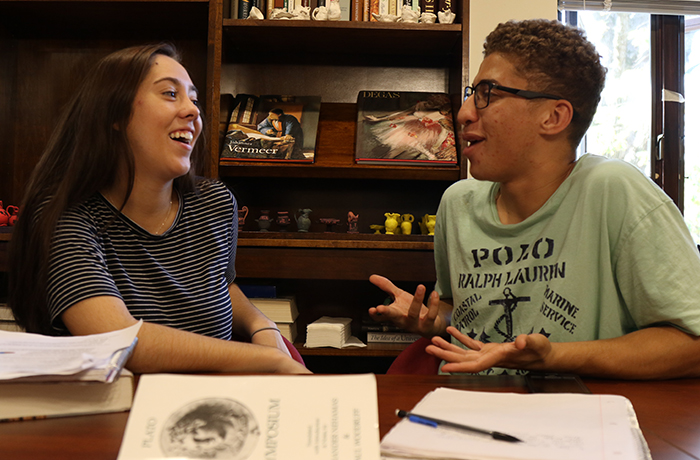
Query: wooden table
(668,412)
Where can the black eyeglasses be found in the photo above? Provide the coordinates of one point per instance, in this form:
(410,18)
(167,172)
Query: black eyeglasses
(482,93)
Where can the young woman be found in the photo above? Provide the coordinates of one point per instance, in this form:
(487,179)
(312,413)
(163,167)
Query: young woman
(115,228)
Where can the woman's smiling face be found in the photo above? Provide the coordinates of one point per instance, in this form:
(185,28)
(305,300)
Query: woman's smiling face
(165,120)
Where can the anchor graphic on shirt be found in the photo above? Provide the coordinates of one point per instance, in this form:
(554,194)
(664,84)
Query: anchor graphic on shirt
(510,303)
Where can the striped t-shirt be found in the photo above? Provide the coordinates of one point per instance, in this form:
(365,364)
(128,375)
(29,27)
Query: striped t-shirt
(178,279)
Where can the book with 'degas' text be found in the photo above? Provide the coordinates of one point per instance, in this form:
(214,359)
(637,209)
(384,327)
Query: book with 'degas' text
(405,128)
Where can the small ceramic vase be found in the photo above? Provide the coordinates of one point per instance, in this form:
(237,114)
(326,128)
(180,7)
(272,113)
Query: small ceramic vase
(406,224)
(4,216)
(409,15)
(430,224)
(320,14)
(377,229)
(280,13)
(13,211)
(283,220)
(428,18)
(391,224)
(255,13)
(242,214)
(446,17)
(352,222)
(334,10)
(264,220)
(301,13)
(303,221)
(330,223)
(386,17)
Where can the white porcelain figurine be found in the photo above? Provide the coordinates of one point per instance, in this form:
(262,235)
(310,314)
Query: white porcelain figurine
(409,15)
(427,18)
(446,17)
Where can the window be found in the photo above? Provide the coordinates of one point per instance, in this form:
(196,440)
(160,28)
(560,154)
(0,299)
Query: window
(645,106)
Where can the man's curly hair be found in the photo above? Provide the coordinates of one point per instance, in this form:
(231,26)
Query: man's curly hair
(555,59)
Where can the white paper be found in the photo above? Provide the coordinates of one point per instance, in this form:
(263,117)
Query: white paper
(551,426)
(259,418)
(331,332)
(31,355)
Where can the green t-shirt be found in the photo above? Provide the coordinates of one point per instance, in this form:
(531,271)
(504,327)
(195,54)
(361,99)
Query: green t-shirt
(607,254)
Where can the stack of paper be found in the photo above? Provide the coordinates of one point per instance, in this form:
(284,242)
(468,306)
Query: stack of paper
(331,332)
(44,376)
(328,332)
(551,427)
(98,357)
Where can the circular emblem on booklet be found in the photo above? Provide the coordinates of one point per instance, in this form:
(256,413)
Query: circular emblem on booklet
(210,428)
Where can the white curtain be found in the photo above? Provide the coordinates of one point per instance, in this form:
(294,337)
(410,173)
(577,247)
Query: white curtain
(676,7)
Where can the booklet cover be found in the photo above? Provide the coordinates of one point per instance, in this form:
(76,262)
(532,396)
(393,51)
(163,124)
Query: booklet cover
(272,128)
(410,128)
(253,417)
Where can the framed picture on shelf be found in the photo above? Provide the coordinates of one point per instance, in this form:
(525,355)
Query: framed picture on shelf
(272,128)
(407,128)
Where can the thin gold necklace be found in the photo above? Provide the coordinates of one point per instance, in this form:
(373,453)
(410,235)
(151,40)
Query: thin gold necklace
(170,208)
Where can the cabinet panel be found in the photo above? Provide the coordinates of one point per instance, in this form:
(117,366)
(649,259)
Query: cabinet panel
(51,45)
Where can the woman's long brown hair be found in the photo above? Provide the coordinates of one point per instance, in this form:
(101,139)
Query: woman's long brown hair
(81,158)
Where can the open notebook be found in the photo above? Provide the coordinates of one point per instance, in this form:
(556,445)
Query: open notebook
(551,426)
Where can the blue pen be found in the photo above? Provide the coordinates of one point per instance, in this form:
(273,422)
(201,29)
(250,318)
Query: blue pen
(433,422)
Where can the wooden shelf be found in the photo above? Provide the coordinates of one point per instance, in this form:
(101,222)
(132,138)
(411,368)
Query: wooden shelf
(335,240)
(335,157)
(371,350)
(341,39)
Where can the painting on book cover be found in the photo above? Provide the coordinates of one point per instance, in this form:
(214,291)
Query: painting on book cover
(405,128)
(278,128)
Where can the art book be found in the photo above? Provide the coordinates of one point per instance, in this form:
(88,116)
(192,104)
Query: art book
(272,128)
(413,128)
(253,417)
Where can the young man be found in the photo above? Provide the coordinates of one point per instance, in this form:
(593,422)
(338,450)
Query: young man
(546,262)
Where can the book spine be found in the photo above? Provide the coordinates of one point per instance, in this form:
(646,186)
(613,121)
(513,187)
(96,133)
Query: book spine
(357,9)
(345,10)
(391,337)
(380,328)
(427,6)
(447,5)
(373,9)
(244,7)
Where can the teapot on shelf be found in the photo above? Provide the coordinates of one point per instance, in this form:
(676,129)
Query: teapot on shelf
(13,211)
(264,220)
(4,216)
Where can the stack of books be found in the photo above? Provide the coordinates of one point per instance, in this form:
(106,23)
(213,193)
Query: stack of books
(7,319)
(328,332)
(283,311)
(44,376)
